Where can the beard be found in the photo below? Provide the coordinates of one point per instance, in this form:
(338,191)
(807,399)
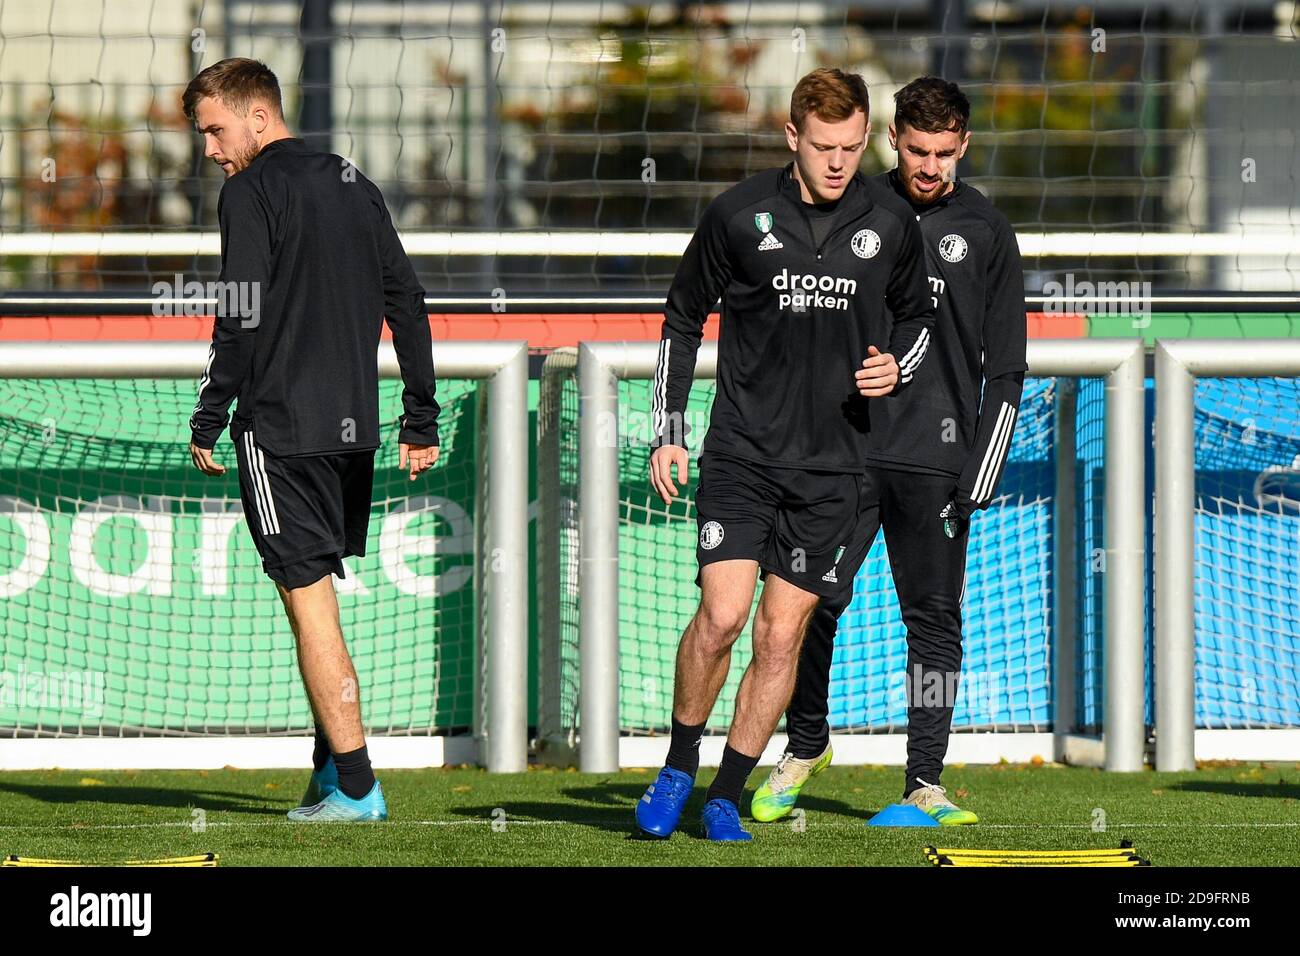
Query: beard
(917,195)
(243,154)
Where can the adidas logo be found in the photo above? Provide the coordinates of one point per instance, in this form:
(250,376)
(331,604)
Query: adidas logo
(829,576)
(769,242)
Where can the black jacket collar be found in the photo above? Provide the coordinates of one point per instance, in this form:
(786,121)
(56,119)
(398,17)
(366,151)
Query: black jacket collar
(292,143)
(856,195)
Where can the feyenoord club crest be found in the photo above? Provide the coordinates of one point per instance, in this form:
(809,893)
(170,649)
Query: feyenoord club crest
(710,535)
(865,243)
(952,247)
(763,220)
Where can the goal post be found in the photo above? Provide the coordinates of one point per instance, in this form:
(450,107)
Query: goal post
(163,675)
(592,731)
(1189,603)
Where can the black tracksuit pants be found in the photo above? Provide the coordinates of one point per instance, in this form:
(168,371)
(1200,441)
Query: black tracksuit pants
(929,571)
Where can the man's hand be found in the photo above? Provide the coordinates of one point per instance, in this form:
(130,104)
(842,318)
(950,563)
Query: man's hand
(662,460)
(417,458)
(878,375)
(202,458)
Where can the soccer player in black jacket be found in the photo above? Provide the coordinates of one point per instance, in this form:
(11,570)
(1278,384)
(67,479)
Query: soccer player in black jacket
(805,259)
(310,267)
(936,454)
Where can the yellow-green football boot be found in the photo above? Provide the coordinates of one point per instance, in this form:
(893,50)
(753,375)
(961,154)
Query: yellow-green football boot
(933,799)
(775,798)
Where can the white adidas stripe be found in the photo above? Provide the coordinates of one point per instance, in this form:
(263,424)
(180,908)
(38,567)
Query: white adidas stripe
(912,360)
(660,408)
(261,486)
(1002,453)
(996,454)
(920,343)
(907,373)
(249,459)
(270,501)
(204,382)
(988,452)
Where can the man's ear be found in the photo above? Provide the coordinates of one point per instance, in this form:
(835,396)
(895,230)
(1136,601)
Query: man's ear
(893,137)
(792,137)
(965,144)
(261,117)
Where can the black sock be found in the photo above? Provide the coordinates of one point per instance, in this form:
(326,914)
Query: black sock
(355,776)
(684,748)
(321,753)
(734,770)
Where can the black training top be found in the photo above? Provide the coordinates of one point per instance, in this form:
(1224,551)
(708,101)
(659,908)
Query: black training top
(939,424)
(312,265)
(797,318)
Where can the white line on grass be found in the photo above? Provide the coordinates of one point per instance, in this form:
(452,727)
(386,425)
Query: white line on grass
(487,822)
(186,825)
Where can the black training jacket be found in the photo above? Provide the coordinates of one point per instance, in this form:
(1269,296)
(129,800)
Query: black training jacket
(796,321)
(959,413)
(311,245)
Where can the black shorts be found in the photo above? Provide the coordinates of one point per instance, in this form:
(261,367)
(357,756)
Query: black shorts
(794,523)
(305,513)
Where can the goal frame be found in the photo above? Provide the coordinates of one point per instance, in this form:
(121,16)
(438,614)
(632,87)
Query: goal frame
(500,738)
(597,745)
(1178,363)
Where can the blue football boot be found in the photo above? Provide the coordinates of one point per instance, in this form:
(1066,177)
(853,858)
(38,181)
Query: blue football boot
(323,782)
(338,807)
(721,819)
(659,809)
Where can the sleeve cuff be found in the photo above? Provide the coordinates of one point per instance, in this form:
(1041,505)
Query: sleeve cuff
(205,439)
(963,504)
(411,436)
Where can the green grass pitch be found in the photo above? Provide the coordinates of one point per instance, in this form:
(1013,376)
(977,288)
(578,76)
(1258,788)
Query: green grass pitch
(1220,815)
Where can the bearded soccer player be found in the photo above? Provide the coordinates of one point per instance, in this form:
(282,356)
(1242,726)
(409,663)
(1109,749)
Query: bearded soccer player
(805,259)
(936,454)
(308,242)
